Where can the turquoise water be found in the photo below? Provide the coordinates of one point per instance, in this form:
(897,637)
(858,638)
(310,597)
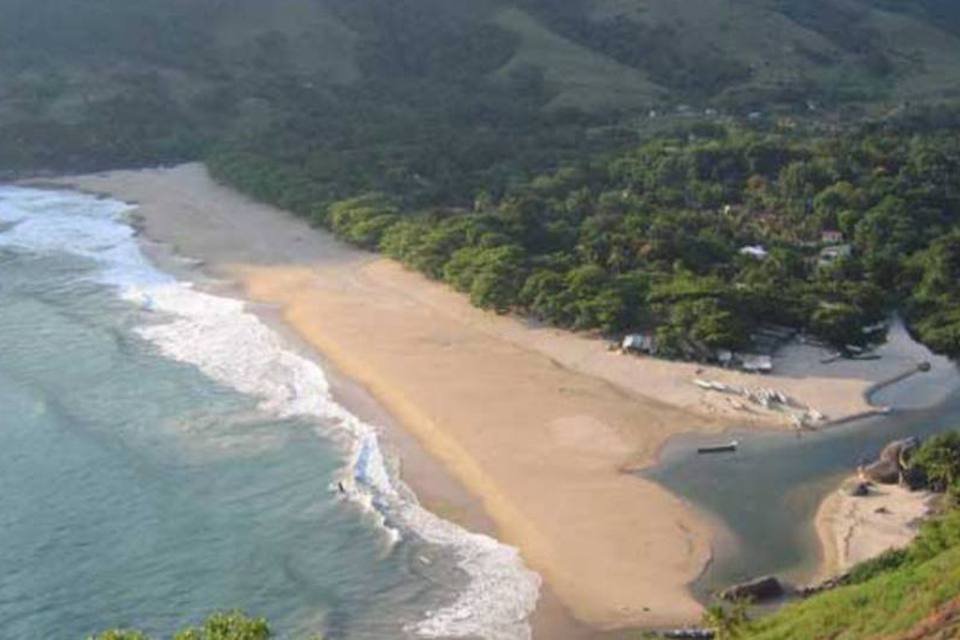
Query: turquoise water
(164,455)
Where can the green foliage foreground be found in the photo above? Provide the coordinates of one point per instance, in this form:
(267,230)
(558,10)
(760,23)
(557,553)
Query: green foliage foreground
(888,595)
(220,626)
(891,602)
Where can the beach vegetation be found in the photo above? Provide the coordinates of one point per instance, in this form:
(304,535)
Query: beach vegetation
(727,622)
(650,238)
(231,625)
(892,596)
(939,461)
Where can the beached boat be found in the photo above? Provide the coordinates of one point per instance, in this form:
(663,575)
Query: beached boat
(730,447)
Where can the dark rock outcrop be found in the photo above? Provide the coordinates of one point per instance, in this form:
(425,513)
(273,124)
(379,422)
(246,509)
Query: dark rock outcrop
(882,472)
(893,461)
(826,585)
(759,590)
(858,489)
(900,451)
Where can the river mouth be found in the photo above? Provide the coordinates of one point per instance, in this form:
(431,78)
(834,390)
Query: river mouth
(766,494)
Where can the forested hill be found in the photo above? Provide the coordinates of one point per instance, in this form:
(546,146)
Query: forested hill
(113,82)
(595,163)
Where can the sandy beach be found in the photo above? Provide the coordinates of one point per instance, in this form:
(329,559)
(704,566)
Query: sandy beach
(539,426)
(857,528)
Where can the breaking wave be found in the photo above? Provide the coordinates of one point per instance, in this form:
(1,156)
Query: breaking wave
(235,348)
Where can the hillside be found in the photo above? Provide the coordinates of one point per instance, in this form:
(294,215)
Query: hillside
(909,595)
(107,82)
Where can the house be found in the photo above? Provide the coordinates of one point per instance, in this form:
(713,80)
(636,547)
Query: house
(725,357)
(639,343)
(831,254)
(757,364)
(831,236)
(755,251)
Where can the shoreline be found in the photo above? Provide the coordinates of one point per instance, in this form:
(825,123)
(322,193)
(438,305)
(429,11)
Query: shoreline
(438,490)
(476,390)
(852,529)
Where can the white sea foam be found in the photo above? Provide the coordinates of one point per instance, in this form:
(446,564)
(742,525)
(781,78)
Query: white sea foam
(233,347)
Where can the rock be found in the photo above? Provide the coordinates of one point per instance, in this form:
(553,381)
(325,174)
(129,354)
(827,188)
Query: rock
(899,451)
(766,588)
(826,585)
(882,472)
(689,634)
(914,478)
(859,489)
(894,459)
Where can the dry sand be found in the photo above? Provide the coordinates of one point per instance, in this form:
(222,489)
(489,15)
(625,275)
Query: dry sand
(853,529)
(539,424)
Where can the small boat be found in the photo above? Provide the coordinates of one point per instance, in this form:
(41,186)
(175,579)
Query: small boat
(687,634)
(730,447)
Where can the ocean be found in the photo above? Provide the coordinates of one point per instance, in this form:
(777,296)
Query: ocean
(166,454)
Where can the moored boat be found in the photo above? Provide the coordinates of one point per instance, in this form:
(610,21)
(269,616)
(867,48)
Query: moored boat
(730,447)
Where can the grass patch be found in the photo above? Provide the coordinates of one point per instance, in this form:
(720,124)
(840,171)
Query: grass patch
(580,77)
(888,604)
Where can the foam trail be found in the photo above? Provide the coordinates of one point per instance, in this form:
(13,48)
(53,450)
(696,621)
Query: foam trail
(233,347)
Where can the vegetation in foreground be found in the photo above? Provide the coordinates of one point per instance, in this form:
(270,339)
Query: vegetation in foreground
(899,597)
(232,625)
(905,593)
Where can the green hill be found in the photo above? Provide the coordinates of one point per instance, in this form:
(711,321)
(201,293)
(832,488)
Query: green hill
(916,597)
(107,82)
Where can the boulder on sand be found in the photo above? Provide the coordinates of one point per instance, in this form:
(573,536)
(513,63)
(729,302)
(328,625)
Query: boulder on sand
(766,588)
(858,489)
(900,451)
(881,472)
(894,459)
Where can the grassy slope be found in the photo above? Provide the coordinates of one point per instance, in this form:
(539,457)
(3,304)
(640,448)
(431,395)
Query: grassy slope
(889,606)
(581,77)
(784,47)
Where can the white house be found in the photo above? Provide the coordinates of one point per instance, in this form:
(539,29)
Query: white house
(639,342)
(754,251)
(757,364)
(831,236)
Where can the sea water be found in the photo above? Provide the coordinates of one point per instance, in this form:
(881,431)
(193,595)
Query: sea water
(164,454)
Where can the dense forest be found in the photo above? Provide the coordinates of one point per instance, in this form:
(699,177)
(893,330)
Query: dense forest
(594,164)
(502,86)
(700,235)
